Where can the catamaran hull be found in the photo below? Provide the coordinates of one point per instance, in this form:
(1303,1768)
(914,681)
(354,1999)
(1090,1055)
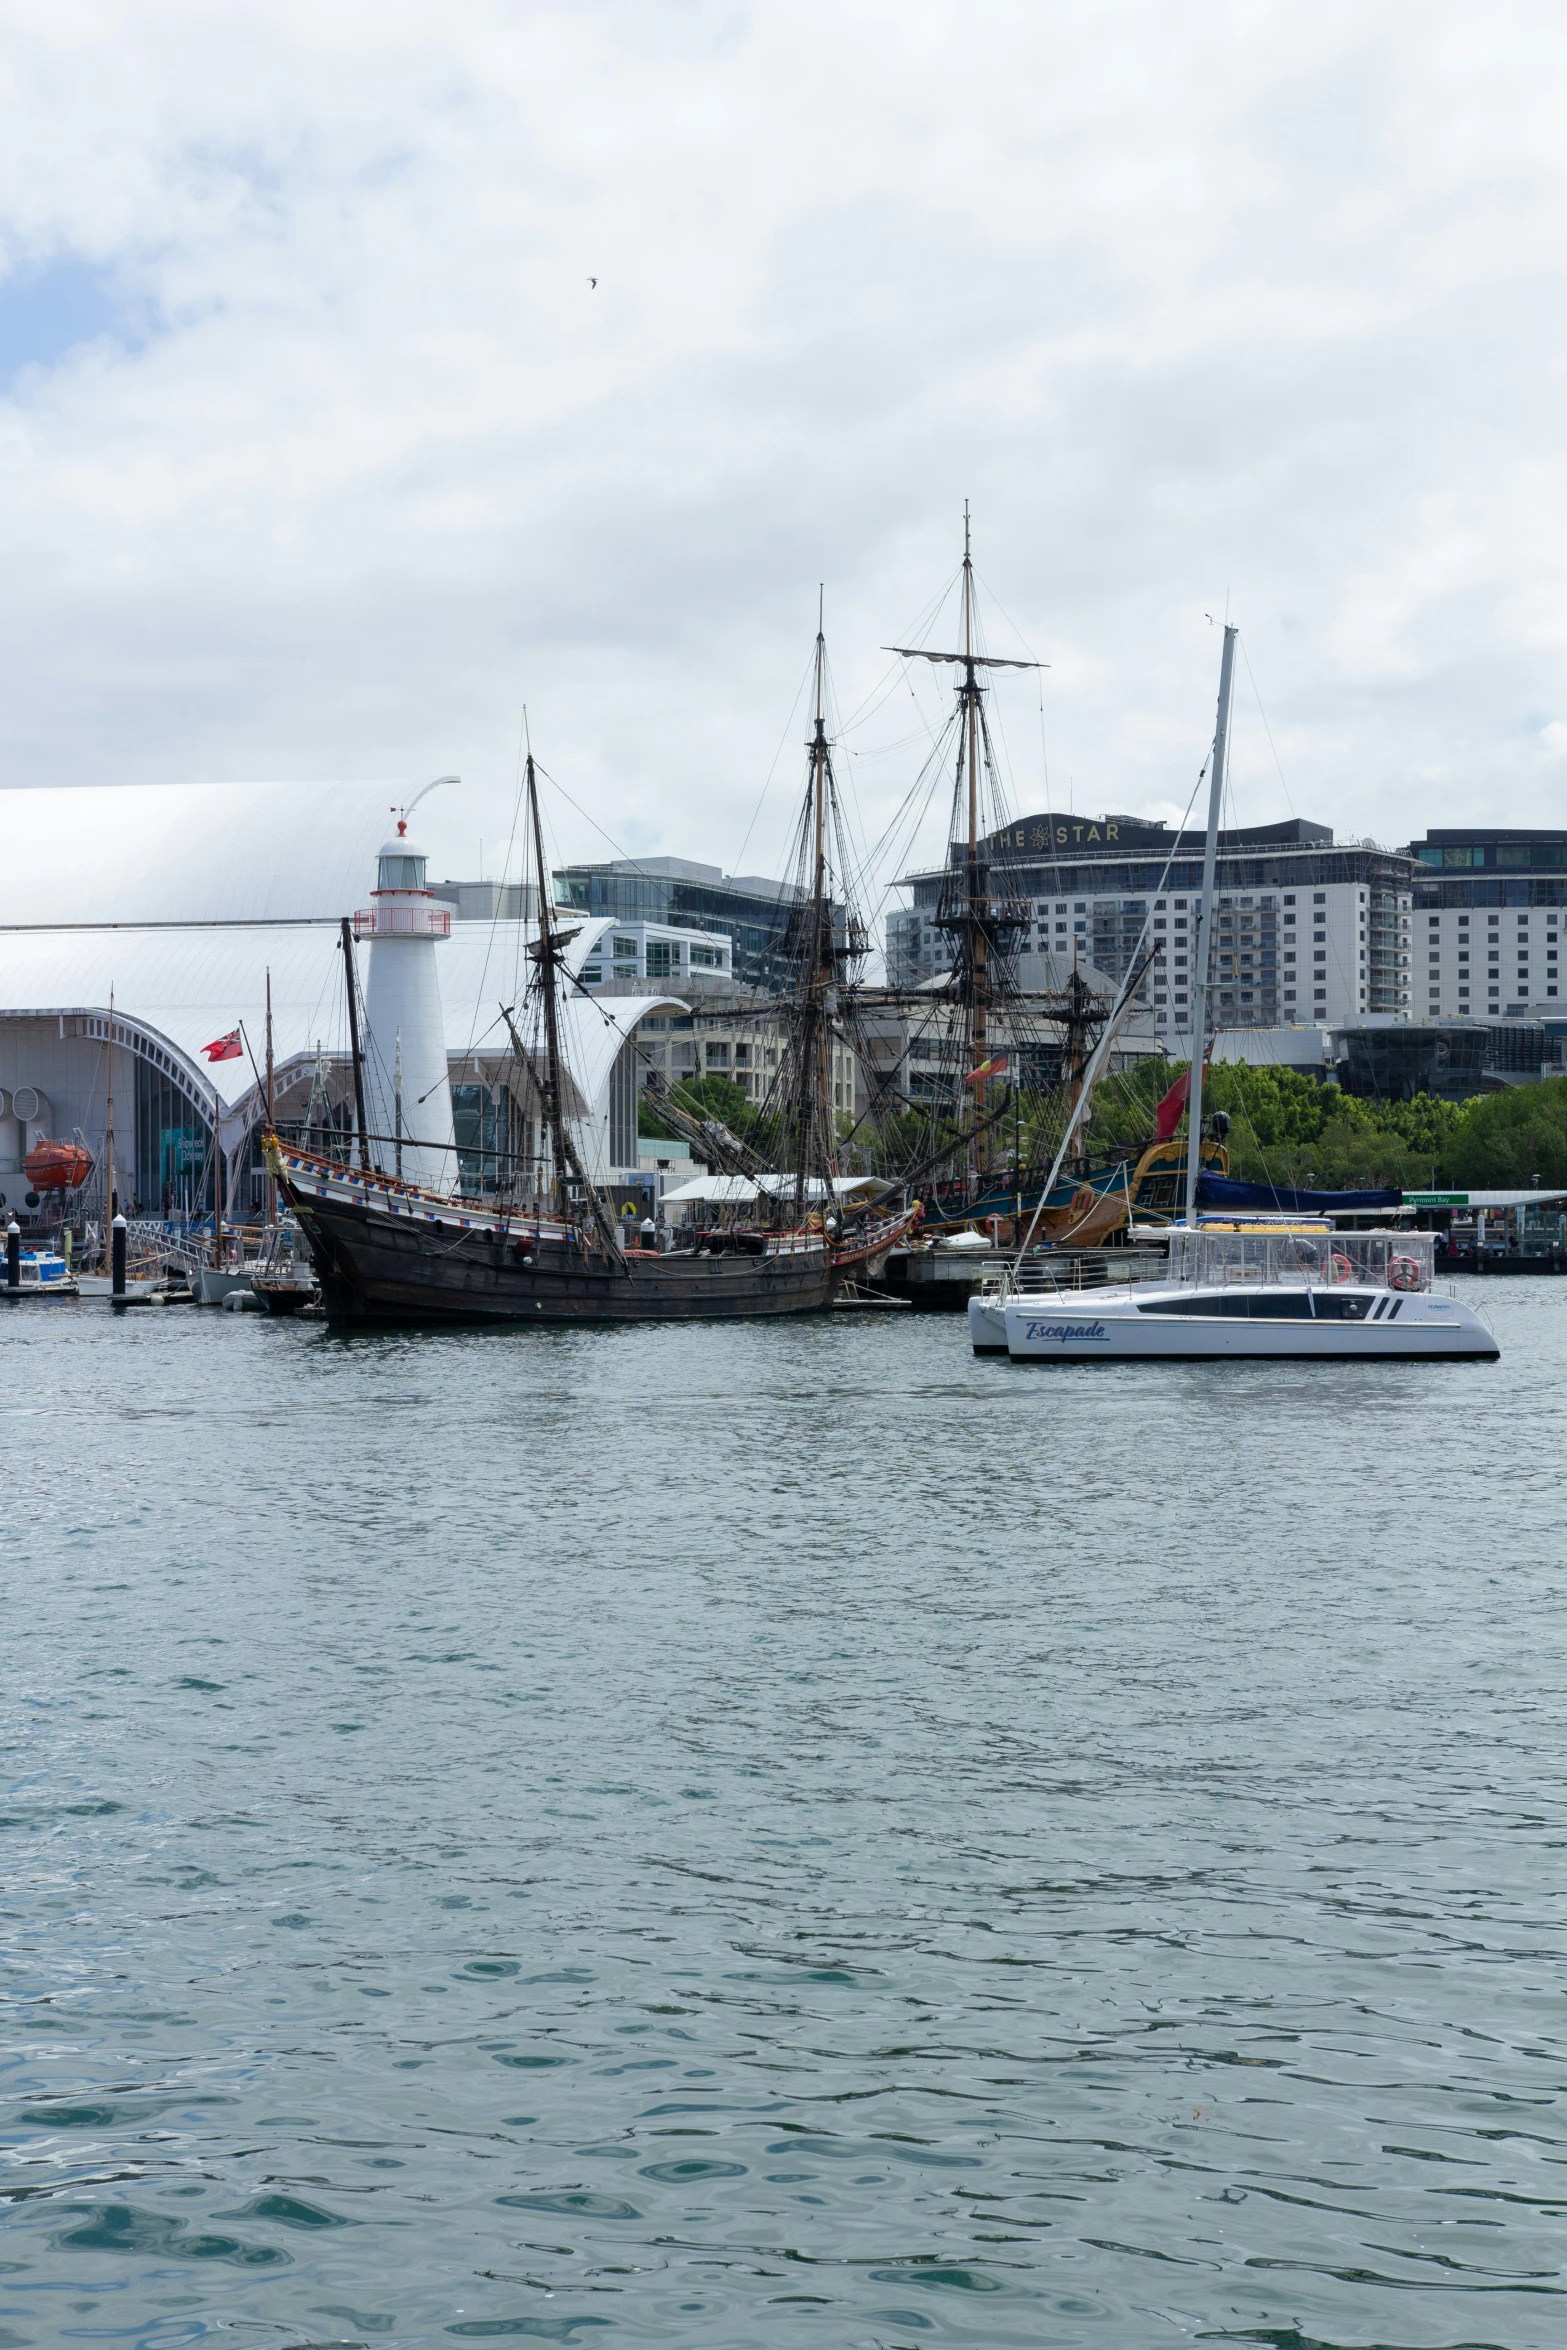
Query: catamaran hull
(377,1272)
(1155,1324)
(987,1325)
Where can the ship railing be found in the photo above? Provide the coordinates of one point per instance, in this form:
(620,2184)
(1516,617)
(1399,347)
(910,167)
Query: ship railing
(1063,1278)
(1317,1258)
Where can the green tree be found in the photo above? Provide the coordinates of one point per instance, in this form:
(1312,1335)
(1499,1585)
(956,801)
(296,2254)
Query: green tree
(1502,1141)
(711,1096)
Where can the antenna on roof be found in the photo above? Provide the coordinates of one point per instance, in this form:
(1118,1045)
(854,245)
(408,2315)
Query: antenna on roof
(403,813)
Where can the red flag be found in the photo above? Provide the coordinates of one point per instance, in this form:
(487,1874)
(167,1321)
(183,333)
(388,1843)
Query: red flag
(994,1067)
(1168,1115)
(225,1048)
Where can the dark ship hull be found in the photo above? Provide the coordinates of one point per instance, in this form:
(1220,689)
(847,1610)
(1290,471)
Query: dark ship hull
(386,1256)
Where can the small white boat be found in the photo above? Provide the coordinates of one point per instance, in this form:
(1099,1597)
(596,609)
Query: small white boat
(211,1285)
(1276,1288)
(42,1274)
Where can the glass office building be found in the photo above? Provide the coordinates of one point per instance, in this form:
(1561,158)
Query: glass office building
(753,914)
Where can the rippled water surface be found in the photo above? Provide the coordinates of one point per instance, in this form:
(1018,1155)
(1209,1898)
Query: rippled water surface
(778,1836)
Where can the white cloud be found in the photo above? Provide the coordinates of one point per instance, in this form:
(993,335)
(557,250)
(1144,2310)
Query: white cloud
(1253,303)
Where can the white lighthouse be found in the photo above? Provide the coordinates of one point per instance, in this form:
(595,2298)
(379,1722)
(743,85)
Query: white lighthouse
(406,1090)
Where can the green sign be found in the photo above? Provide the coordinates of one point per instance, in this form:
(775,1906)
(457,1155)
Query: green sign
(183,1152)
(1436,1199)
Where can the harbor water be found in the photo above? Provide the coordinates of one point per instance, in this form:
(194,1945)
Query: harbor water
(778,1835)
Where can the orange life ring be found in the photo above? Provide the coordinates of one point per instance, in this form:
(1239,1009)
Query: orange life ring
(1405,1273)
(1340,1268)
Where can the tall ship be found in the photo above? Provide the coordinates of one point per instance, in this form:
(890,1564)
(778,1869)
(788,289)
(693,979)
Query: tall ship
(1003,1067)
(390,1246)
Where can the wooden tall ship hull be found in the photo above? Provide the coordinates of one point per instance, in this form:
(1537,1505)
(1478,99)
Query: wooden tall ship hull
(1083,1211)
(387,1255)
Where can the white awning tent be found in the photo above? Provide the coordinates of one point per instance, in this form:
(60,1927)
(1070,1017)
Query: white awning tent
(740,1191)
(713,1191)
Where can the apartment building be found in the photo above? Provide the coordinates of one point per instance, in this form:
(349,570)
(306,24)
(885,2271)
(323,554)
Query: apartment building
(741,1038)
(684,960)
(1489,910)
(1306,931)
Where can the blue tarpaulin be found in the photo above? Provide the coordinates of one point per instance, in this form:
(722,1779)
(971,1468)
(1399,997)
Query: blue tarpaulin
(1222,1191)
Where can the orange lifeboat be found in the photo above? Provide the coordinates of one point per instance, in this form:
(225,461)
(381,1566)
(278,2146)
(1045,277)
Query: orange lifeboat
(57,1166)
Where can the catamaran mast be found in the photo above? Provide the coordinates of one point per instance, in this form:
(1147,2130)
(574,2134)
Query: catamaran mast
(1203,933)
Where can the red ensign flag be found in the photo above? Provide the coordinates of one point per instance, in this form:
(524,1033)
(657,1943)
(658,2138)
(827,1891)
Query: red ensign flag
(1168,1115)
(225,1048)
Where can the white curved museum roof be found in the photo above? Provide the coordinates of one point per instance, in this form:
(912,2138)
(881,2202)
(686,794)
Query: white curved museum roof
(191,984)
(191,852)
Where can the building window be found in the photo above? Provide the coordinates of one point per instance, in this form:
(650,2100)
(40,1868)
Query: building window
(718,1056)
(623,1108)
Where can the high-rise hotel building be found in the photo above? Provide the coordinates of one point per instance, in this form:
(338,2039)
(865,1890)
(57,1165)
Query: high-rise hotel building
(1306,931)
(1489,912)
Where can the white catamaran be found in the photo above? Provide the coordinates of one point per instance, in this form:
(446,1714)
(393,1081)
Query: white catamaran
(1238,1285)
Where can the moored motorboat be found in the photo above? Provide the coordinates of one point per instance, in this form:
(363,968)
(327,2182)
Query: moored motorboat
(40,1272)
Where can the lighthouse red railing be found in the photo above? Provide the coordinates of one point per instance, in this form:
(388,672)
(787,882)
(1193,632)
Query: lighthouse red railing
(403,922)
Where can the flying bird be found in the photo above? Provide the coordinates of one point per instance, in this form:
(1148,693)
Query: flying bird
(593,281)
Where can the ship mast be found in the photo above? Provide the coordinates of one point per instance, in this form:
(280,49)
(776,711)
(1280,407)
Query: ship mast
(816,1136)
(979,915)
(564,1158)
(547,951)
(271,1190)
(979,942)
(109,1209)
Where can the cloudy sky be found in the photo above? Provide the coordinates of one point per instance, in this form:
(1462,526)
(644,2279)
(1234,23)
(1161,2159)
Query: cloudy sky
(320,456)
